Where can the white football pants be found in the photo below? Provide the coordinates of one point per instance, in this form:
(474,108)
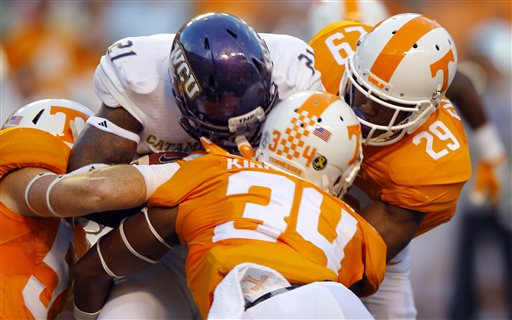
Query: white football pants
(158,292)
(317,300)
(394,299)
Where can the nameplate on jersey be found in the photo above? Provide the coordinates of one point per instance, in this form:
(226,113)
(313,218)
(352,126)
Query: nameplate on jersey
(234,163)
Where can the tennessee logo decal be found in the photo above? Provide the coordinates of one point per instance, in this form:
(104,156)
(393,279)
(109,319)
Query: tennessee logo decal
(442,65)
(69,114)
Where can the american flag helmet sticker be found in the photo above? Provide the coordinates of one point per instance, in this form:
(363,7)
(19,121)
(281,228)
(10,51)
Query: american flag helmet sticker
(322,133)
(15,120)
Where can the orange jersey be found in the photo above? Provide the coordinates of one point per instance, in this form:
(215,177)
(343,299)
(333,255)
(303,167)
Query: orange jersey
(426,170)
(34,278)
(233,210)
(333,45)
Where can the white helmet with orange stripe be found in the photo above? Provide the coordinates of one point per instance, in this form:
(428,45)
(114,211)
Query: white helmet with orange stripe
(60,117)
(397,76)
(315,136)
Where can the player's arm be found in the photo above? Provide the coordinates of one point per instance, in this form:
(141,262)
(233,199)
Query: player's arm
(38,192)
(489,147)
(138,242)
(97,145)
(110,138)
(463,95)
(397,226)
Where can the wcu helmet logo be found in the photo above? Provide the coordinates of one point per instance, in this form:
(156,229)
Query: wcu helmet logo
(183,71)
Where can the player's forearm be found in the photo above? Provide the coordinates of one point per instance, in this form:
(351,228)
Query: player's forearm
(395,225)
(95,146)
(463,95)
(91,285)
(139,241)
(77,194)
(110,188)
(108,140)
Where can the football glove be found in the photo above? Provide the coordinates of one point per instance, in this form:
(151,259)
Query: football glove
(491,169)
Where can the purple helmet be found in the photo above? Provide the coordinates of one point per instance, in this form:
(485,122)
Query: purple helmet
(221,73)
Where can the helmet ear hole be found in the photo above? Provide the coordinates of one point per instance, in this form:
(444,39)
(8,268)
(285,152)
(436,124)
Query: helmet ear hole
(36,118)
(257,64)
(231,33)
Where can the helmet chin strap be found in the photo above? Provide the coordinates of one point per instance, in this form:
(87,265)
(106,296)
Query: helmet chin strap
(327,186)
(244,147)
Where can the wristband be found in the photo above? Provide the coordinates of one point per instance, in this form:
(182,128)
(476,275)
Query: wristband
(82,315)
(110,127)
(488,143)
(156,175)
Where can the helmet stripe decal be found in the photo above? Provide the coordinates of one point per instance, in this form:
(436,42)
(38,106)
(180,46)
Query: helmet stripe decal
(404,39)
(316,104)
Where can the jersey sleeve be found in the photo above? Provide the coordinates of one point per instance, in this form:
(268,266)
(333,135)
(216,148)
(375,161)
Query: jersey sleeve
(424,172)
(28,147)
(332,46)
(129,71)
(294,62)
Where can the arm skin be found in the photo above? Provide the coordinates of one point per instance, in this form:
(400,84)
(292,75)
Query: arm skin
(97,146)
(109,188)
(463,95)
(92,284)
(397,226)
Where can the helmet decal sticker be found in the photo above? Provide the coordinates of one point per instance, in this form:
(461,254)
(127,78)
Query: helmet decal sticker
(403,40)
(69,114)
(442,65)
(186,77)
(320,162)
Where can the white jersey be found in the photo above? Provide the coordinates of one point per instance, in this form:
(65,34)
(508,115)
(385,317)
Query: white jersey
(134,74)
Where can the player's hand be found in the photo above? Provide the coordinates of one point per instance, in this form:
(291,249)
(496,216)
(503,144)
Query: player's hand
(160,158)
(491,170)
(488,181)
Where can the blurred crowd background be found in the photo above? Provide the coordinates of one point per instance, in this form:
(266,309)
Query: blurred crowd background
(50,49)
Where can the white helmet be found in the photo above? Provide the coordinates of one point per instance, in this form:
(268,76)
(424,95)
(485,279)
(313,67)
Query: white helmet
(406,63)
(315,136)
(60,117)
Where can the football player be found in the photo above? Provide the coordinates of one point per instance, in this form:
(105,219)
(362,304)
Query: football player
(394,76)
(265,238)
(489,173)
(36,253)
(216,75)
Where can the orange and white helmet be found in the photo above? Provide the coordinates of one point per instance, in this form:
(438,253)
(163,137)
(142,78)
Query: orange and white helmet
(405,63)
(60,117)
(315,136)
